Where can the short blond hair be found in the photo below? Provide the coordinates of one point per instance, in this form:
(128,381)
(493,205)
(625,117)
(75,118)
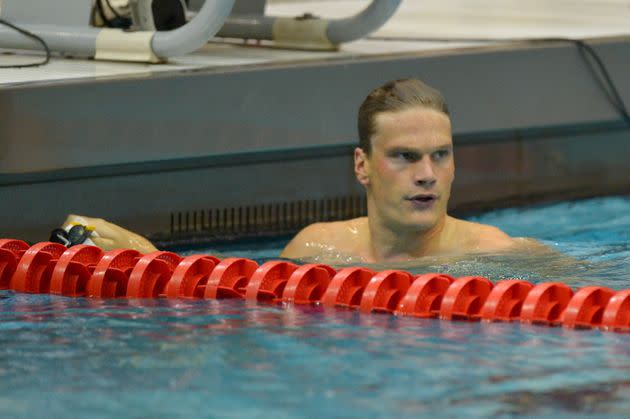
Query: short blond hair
(396,95)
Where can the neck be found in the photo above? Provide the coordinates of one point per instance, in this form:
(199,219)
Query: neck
(394,243)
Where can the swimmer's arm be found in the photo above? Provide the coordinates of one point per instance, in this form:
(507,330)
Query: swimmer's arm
(111,236)
(306,244)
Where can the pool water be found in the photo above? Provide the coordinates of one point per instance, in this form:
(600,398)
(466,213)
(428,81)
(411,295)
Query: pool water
(589,239)
(64,357)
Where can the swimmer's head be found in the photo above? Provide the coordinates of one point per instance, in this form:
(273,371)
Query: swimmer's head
(397,95)
(405,160)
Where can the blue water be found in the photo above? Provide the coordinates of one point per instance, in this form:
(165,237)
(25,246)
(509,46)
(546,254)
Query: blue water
(589,242)
(64,357)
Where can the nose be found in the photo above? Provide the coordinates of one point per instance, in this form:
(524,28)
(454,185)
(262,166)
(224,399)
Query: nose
(424,173)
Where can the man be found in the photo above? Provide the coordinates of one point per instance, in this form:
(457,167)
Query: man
(405,162)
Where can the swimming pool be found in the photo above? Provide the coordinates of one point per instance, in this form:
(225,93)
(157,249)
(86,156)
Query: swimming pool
(595,232)
(202,358)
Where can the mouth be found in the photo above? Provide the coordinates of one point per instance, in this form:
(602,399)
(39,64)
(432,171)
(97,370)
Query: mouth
(422,201)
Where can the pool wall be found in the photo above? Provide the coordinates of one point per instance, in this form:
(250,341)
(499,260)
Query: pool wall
(531,122)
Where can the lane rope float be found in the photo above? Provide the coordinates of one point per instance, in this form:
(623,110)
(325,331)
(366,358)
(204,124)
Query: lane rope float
(86,271)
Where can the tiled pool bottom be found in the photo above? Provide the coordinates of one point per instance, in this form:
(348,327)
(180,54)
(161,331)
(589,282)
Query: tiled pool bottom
(64,357)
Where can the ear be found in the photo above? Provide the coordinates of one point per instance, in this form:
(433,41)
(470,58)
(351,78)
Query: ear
(361,166)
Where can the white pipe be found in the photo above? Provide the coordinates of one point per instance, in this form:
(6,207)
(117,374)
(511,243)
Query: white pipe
(362,24)
(195,33)
(336,31)
(115,44)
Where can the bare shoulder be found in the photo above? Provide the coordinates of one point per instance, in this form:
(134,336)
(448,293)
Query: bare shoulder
(483,237)
(487,238)
(320,238)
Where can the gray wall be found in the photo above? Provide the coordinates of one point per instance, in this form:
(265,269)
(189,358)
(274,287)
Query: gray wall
(530,122)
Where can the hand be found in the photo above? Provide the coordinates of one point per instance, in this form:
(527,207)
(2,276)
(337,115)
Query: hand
(110,236)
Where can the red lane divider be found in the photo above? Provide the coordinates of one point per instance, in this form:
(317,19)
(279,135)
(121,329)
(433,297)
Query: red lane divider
(191,276)
(384,291)
(111,274)
(346,288)
(17,247)
(505,301)
(269,280)
(10,253)
(586,308)
(149,277)
(74,269)
(229,278)
(424,297)
(545,303)
(34,269)
(307,284)
(465,298)
(617,313)
(87,271)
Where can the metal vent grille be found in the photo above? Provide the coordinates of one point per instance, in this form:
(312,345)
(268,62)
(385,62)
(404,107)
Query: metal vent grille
(269,219)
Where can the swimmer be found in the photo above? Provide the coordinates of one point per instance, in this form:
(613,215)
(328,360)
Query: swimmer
(406,163)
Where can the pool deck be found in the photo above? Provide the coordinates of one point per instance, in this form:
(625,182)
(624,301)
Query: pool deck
(493,19)
(134,142)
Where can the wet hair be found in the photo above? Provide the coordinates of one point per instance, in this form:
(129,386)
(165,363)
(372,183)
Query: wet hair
(395,96)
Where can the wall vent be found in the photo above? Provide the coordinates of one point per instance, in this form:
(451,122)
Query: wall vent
(258,220)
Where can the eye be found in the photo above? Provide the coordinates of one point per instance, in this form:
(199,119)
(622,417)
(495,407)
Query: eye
(407,156)
(441,154)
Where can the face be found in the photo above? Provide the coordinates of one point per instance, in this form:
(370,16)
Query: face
(409,173)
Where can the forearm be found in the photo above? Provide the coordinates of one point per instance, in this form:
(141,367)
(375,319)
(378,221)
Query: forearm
(131,241)
(110,236)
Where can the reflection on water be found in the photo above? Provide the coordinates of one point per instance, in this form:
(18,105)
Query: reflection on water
(159,358)
(534,267)
(594,235)
(599,398)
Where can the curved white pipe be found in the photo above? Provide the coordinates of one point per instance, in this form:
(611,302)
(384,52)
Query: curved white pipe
(115,44)
(363,23)
(337,31)
(194,34)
